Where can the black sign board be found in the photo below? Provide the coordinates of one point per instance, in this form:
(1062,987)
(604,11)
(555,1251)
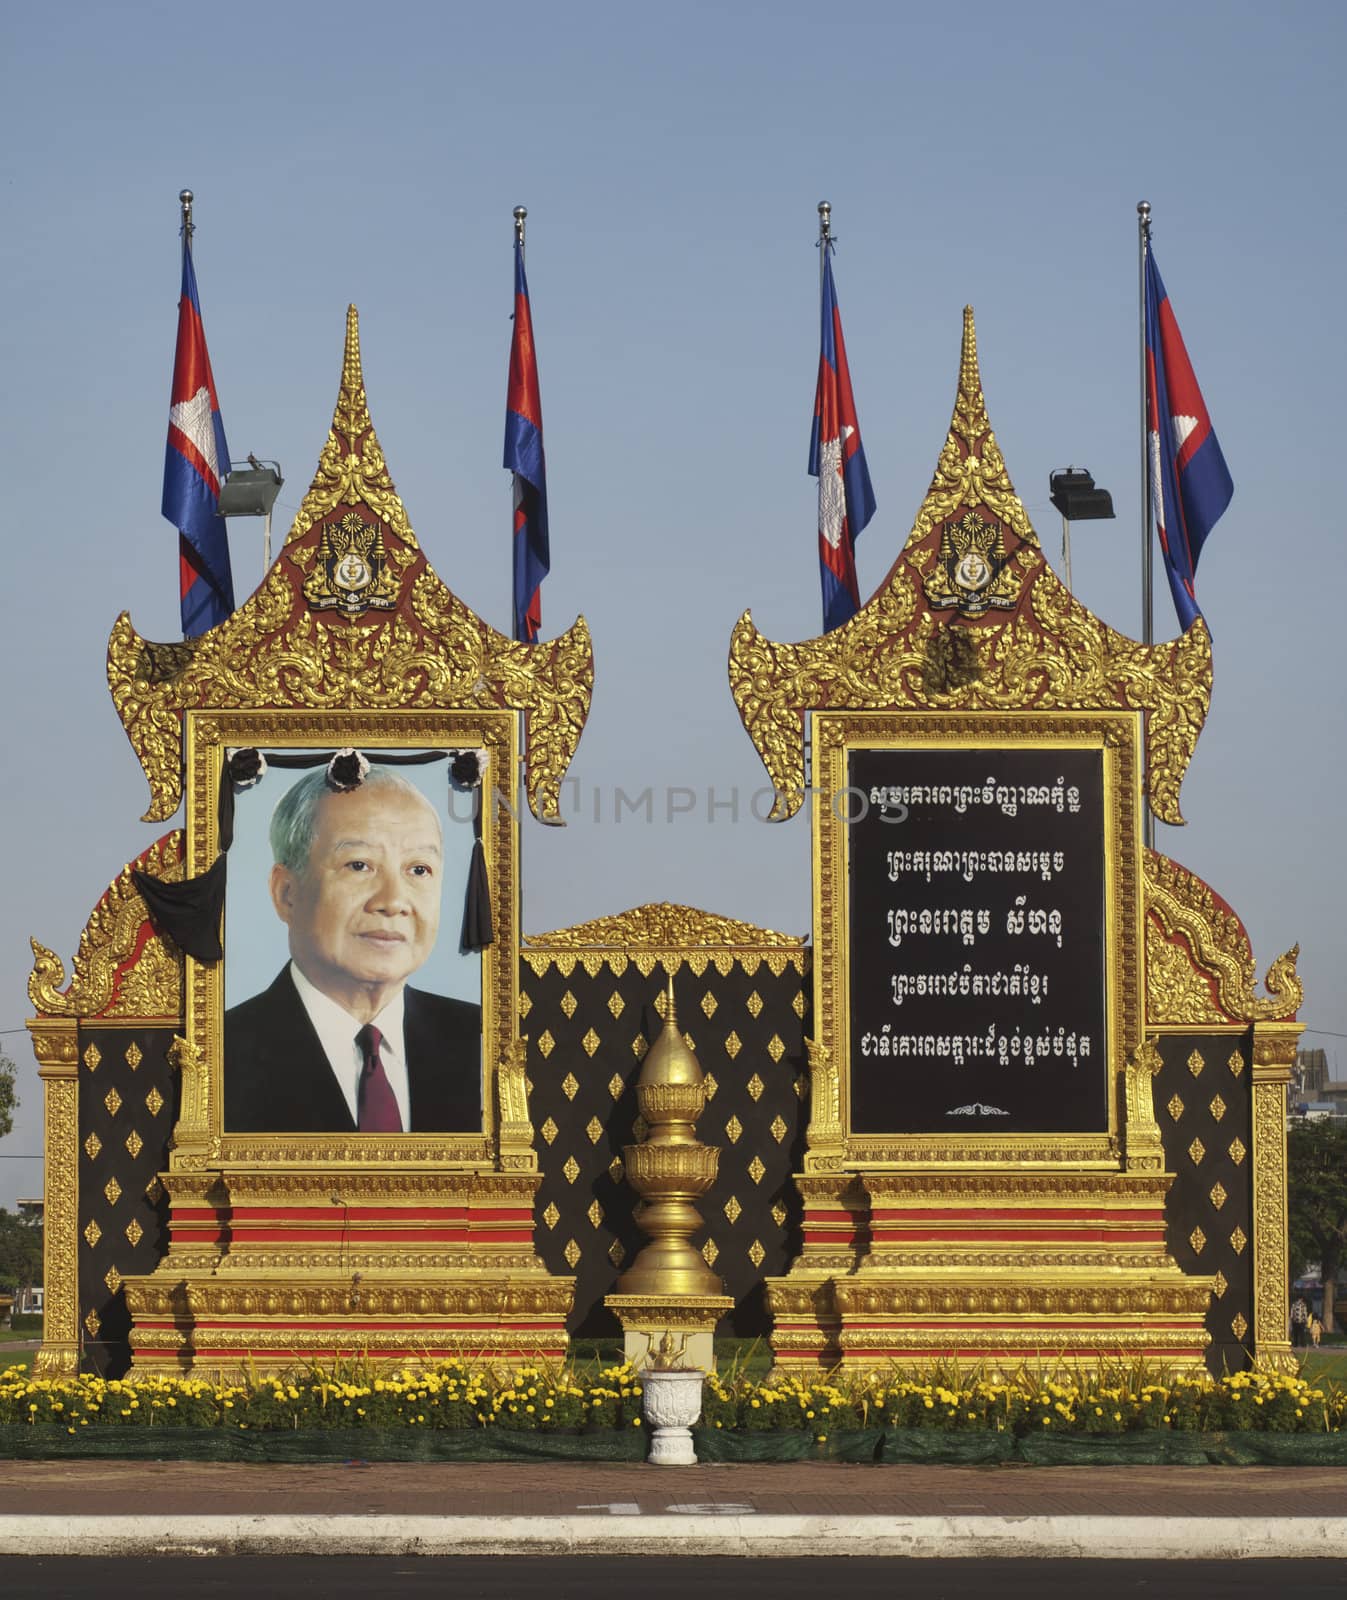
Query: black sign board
(977,941)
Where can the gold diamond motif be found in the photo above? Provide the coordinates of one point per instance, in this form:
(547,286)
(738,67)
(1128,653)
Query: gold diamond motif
(570,1086)
(754,1004)
(639,1128)
(775,1048)
(594,1128)
(1196,1151)
(639,1046)
(1217,1107)
(756,1252)
(546,1044)
(1196,1063)
(733,1045)
(756,1086)
(112,1191)
(710,1005)
(92,1145)
(661,1005)
(595,1214)
(797,1004)
(1236,1064)
(525,1003)
(113,1101)
(1238,1239)
(779,1214)
(571,1252)
(153,1189)
(1220,1286)
(590,1042)
(616,1254)
(710,1084)
(134,1231)
(616,1085)
(616,1005)
(154,1102)
(1175,1107)
(778,1129)
(113,1279)
(710,1250)
(616,1169)
(569,1003)
(1198,1240)
(1217,1196)
(1239,1327)
(134,1144)
(1237,1151)
(548,1130)
(571,1170)
(133,1055)
(92,1056)
(551,1216)
(92,1233)
(732,1209)
(92,1326)
(733,1129)
(688,1040)
(756,1170)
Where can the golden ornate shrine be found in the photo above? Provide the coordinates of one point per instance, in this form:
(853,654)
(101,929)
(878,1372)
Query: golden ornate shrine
(1044,1245)
(289,1247)
(1159,1229)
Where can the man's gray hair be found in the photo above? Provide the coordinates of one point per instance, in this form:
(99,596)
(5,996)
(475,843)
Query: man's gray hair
(295,819)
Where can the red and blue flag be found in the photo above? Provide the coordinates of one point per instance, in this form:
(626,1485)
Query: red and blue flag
(1190,482)
(196,464)
(846,501)
(524,457)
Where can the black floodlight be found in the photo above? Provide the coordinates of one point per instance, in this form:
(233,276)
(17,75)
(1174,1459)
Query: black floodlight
(251,490)
(1072,491)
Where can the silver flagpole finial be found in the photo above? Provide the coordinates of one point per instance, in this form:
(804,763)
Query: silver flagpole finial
(185,201)
(825,226)
(1144,217)
(520,212)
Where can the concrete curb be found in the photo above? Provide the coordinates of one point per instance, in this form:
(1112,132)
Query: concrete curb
(1111,1538)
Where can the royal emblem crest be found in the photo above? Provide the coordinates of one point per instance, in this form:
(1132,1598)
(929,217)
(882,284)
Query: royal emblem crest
(972,573)
(352,573)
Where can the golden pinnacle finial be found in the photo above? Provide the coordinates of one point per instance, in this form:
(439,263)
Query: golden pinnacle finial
(970,380)
(670,1014)
(352,378)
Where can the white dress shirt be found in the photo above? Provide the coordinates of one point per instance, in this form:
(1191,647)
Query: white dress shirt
(336,1029)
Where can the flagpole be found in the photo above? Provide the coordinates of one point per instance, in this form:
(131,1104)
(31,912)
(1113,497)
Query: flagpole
(1147,598)
(520,213)
(825,241)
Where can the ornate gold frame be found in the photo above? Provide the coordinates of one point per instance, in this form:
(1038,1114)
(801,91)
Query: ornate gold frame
(201,1139)
(831,1143)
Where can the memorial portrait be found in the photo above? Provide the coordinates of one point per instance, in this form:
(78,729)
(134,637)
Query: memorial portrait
(350,1003)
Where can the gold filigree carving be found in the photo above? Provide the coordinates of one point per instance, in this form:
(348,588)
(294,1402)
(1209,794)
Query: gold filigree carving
(431,652)
(1186,922)
(1050,653)
(122,968)
(662,926)
(516,1131)
(1270,1257)
(1144,1151)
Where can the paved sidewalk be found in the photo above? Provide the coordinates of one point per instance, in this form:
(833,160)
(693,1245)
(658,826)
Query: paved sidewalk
(815,1508)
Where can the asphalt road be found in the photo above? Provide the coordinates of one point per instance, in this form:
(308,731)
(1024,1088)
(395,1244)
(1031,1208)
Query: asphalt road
(619,1577)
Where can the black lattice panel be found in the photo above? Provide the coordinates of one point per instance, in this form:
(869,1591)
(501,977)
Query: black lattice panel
(590,1020)
(127,1107)
(1204,1105)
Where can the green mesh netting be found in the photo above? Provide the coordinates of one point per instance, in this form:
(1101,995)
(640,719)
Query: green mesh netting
(344,1444)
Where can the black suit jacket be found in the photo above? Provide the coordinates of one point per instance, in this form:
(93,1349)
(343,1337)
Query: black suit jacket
(277,1078)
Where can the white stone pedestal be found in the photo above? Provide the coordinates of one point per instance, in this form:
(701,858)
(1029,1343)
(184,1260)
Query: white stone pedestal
(671,1402)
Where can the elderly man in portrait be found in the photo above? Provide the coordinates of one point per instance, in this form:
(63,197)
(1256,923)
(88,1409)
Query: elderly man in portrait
(340,1043)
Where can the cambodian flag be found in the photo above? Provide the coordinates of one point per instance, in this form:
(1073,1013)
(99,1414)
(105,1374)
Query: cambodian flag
(846,501)
(196,464)
(524,457)
(1190,482)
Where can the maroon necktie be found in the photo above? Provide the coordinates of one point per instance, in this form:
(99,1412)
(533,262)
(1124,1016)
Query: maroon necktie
(378,1107)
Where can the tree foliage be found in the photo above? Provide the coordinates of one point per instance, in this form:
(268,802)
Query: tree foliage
(1316,1188)
(20,1251)
(9,1099)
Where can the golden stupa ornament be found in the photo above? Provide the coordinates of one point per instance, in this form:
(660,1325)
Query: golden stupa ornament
(971,618)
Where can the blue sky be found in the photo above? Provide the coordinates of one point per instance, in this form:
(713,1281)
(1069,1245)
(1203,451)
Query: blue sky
(671,160)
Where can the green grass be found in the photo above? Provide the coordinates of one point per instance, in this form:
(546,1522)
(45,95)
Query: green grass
(1329,1361)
